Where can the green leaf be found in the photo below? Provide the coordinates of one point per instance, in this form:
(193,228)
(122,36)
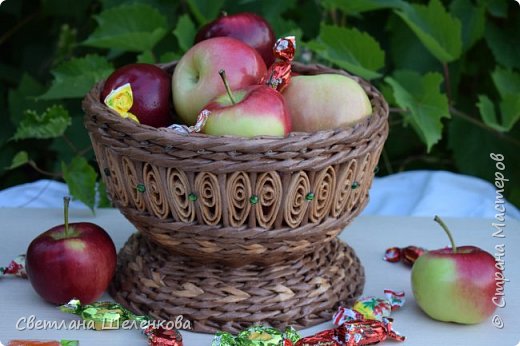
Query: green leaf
(351,49)
(81,180)
(504,43)
(146,57)
(473,21)
(359,6)
(24,97)
(134,28)
(103,201)
(507,82)
(438,30)
(205,11)
(185,32)
(169,57)
(420,95)
(50,124)
(497,8)
(74,78)
(21,158)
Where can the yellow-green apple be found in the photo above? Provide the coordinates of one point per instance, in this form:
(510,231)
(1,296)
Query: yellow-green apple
(455,284)
(196,80)
(256,110)
(75,260)
(325,101)
(151,90)
(246,27)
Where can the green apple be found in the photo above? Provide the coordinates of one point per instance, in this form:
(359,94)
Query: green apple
(325,101)
(456,284)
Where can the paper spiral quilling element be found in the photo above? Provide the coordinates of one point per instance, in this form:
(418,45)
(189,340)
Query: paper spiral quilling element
(295,203)
(324,185)
(178,187)
(131,178)
(344,189)
(117,187)
(157,202)
(238,192)
(208,194)
(269,190)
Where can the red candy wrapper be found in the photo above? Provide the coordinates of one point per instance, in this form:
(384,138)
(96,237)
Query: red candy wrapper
(278,75)
(15,268)
(368,332)
(408,255)
(163,337)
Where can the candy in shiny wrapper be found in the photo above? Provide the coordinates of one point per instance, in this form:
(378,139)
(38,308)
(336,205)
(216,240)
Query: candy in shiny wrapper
(102,315)
(408,255)
(15,268)
(330,337)
(369,332)
(258,336)
(43,343)
(278,75)
(121,100)
(370,308)
(186,130)
(163,337)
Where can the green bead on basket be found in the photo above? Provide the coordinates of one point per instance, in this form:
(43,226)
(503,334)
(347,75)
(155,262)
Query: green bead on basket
(354,185)
(253,199)
(140,188)
(192,197)
(309,197)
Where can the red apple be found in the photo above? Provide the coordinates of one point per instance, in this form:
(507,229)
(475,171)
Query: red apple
(69,261)
(325,101)
(246,27)
(256,110)
(151,89)
(196,81)
(456,284)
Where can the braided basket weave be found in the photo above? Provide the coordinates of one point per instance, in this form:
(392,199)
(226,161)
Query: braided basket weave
(233,200)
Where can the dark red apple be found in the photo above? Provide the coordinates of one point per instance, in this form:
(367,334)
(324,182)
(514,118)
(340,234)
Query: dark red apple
(69,261)
(151,89)
(246,27)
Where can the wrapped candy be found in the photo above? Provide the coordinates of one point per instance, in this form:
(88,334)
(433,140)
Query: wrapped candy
(102,315)
(43,343)
(15,268)
(186,130)
(257,336)
(163,337)
(352,333)
(408,255)
(279,73)
(370,308)
(121,100)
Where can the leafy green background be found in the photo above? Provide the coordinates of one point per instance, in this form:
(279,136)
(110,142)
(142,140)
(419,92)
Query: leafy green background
(449,69)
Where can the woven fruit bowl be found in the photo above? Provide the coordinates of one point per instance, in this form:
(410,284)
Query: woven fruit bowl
(234,200)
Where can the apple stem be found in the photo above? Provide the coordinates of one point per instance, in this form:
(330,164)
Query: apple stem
(222,74)
(66,201)
(445,228)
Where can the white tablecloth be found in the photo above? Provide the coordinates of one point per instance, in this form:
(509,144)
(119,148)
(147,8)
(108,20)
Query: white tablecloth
(368,235)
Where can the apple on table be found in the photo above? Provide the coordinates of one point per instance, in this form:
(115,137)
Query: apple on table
(76,260)
(455,284)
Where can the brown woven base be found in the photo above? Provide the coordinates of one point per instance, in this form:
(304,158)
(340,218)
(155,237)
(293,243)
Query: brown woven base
(301,292)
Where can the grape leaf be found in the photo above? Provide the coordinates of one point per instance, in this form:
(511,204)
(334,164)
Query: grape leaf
(438,30)
(507,82)
(351,49)
(359,6)
(504,43)
(103,200)
(146,57)
(185,32)
(24,97)
(133,28)
(21,158)
(420,95)
(74,78)
(473,21)
(51,123)
(81,180)
(205,11)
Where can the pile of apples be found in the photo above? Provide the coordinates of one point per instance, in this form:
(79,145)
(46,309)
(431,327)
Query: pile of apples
(222,73)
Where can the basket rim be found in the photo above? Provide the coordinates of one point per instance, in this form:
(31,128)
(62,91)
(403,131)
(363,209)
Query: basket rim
(93,107)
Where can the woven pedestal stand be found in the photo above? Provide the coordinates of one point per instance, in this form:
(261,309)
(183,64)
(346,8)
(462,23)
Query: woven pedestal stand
(236,231)
(301,292)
